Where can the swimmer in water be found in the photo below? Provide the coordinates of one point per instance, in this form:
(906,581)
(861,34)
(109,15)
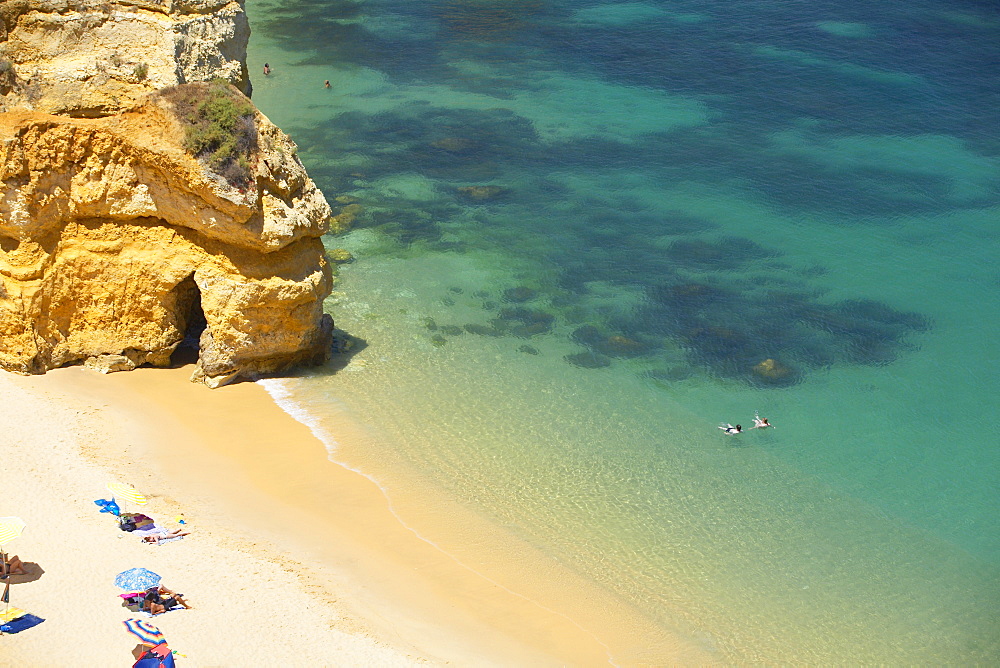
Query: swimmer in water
(730,429)
(326,84)
(267,69)
(760,423)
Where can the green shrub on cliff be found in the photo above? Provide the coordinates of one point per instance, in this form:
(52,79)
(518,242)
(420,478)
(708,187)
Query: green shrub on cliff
(219,127)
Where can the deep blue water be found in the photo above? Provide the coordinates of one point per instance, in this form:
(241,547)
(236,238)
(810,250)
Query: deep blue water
(678,213)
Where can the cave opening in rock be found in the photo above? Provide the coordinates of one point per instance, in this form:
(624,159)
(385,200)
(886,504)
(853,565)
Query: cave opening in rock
(190,320)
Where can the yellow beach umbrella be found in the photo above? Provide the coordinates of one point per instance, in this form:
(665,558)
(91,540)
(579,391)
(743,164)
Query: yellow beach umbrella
(10,528)
(125,492)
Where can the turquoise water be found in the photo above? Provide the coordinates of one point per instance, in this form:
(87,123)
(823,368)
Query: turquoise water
(670,194)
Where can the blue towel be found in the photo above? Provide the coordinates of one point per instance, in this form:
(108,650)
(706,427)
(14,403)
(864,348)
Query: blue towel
(22,623)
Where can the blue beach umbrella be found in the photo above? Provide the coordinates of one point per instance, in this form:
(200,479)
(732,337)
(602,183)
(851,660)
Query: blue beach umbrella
(158,657)
(144,631)
(136,579)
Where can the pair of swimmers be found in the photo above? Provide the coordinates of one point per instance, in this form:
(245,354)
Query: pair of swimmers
(758,423)
(267,71)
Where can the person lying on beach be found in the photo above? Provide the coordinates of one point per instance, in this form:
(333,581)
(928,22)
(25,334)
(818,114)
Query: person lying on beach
(730,429)
(158,533)
(159,599)
(13,566)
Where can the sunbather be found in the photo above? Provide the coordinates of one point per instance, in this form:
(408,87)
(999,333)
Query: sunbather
(158,533)
(14,566)
(160,599)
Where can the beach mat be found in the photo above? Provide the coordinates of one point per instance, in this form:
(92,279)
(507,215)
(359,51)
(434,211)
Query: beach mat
(22,623)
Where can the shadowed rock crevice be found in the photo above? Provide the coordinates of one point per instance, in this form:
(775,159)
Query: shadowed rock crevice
(191,320)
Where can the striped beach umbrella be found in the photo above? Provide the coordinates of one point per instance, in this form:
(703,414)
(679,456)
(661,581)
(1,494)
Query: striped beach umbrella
(10,528)
(144,631)
(125,492)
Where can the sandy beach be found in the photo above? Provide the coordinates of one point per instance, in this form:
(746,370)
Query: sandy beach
(253,604)
(292,560)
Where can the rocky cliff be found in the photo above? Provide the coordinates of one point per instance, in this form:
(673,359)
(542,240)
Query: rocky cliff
(95,57)
(116,244)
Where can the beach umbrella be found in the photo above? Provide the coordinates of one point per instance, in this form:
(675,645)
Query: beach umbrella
(144,631)
(10,528)
(125,492)
(137,579)
(156,657)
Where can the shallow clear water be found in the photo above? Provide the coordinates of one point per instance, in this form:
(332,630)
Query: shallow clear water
(678,192)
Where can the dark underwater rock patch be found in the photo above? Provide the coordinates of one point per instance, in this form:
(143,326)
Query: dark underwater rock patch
(480,194)
(613,345)
(483,330)
(733,328)
(519,294)
(525,322)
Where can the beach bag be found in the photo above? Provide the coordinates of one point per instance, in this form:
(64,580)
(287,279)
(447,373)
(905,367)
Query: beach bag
(127,525)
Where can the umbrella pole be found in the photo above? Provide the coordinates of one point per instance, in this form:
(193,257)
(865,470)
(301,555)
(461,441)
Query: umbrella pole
(3,565)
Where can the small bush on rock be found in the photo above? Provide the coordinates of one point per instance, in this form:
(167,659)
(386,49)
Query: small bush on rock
(220,127)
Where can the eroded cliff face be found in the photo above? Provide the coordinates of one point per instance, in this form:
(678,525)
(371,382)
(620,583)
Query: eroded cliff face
(95,58)
(116,244)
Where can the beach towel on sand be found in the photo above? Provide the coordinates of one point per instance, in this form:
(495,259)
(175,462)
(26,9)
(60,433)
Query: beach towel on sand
(151,530)
(22,623)
(146,613)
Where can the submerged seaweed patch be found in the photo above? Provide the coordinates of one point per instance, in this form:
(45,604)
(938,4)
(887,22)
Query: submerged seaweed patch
(588,209)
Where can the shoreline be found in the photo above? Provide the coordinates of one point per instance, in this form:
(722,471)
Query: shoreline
(402,597)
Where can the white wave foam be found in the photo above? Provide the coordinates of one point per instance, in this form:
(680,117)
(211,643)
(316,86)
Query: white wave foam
(281,392)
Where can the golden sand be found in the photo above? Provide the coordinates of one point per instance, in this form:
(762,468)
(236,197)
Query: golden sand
(293,558)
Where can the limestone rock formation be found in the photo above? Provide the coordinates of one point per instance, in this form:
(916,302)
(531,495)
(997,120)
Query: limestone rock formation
(96,58)
(116,244)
